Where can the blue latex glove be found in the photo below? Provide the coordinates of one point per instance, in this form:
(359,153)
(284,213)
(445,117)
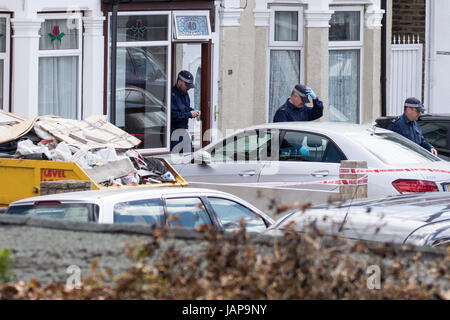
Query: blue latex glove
(310,92)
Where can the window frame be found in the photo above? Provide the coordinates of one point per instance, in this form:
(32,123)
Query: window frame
(5,57)
(216,215)
(68,52)
(300,27)
(352,45)
(124,44)
(284,46)
(201,198)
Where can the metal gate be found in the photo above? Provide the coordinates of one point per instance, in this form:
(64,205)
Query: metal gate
(406,72)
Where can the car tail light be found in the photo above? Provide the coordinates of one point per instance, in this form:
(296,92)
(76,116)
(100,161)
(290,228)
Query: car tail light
(47,203)
(414,186)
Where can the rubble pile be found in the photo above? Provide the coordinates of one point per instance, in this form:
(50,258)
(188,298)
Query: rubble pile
(104,151)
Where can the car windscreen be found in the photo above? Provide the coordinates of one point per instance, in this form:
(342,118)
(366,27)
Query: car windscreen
(392,148)
(55,210)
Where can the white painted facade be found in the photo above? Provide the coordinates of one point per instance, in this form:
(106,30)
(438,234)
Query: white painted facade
(25,25)
(241,55)
(437,56)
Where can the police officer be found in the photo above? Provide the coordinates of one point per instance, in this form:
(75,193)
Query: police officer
(294,109)
(407,126)
(181,112)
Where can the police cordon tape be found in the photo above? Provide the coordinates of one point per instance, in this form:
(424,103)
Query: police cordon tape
(361,181)
(360,171)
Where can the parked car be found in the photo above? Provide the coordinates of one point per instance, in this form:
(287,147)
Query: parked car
(435,129)
(307,152)
(187,207)
(417,219)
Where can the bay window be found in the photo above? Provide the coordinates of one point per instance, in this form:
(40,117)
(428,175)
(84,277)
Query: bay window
(59,85)
(286,55)
(345,46)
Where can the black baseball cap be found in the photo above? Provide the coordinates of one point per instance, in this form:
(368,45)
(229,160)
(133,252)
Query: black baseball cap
(414,103)
(187,78)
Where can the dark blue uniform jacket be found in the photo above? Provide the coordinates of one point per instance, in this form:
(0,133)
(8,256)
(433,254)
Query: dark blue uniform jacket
(180,110)
(410,130)
(289,112)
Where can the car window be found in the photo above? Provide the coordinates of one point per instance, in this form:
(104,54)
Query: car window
(392,148)
(230,213)
(436,132)
(82,212)
(148,211)
(187,212)
(253,145)
(303,146)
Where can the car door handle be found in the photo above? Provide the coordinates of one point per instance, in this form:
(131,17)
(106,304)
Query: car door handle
(320,173)
(247,173)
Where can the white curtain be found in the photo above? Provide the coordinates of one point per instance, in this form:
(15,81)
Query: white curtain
(284,75)
(58,86)
(1,84)
(58,76)
(343,85)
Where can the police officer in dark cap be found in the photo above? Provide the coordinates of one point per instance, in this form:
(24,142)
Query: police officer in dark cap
(407,126)
(181,112)
(294,109)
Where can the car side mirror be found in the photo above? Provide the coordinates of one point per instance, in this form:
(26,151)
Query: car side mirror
(202,157)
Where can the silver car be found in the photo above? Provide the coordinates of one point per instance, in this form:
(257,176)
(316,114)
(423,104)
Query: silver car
(297,153)
(185,207)
(417,219)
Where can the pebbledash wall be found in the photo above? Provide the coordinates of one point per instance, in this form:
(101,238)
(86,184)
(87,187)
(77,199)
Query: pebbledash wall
(248,93)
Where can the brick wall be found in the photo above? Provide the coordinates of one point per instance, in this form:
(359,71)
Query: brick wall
(408,17)
(62,186)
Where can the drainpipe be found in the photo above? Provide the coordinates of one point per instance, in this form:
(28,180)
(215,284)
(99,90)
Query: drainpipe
(383,59)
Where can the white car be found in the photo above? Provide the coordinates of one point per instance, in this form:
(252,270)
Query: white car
(166,206)
(305,152)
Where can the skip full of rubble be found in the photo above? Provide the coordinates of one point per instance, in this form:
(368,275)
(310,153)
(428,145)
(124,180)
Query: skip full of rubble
(107,153)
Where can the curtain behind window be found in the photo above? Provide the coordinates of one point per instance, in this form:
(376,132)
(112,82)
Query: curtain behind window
(58,76)
(344,86)
(58,86)
(284,75)
(286,26)
(1,84)
(344,26)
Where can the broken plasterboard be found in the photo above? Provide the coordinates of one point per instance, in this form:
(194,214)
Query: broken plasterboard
(92,133)
(111,170)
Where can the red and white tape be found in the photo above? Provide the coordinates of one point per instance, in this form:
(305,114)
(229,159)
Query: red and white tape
(366,171)
(361,181)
